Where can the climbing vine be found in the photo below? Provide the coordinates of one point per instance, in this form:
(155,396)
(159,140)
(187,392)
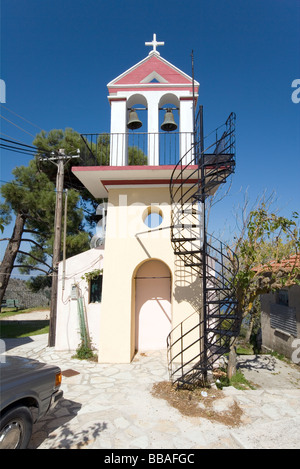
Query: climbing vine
(92,275)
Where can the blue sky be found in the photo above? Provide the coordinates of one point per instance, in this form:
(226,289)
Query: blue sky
(57,57)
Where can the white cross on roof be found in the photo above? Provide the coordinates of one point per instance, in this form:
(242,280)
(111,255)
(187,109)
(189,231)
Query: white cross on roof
(154,44)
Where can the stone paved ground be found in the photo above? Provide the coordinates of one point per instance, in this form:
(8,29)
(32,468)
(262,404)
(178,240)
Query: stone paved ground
(112,406)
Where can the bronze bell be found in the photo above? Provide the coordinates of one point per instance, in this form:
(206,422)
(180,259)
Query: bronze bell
(169,123)
(133,121)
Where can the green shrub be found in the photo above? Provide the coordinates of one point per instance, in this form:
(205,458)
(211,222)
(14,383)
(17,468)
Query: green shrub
(85,353)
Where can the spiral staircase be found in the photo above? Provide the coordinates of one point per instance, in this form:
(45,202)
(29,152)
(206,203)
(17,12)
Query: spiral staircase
(205,266)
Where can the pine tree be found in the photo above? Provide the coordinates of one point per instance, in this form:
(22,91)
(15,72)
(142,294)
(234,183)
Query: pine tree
(30,197)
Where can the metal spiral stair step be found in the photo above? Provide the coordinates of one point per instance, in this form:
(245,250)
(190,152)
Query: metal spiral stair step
(181,240)
(193,264)
(221,301)
(192,211)
(198,251)
(229,317)
(221,331)
(221,158)
(197,371)
(181,225)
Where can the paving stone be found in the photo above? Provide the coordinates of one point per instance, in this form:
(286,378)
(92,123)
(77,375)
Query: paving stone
(111,406)
(140,442)
(121,422)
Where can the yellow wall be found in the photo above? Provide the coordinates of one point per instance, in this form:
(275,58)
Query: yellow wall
(128,244)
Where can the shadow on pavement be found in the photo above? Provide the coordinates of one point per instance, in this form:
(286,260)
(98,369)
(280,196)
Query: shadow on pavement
(54,422)
(257,363)
(57,432)
(9,344)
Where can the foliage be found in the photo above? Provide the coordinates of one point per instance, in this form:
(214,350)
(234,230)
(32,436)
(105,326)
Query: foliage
(33,194)
(83,352)
(70,141)
(91,275)
(238,381)
(101,150)
(99,154)
(267,240)
(136,157)
(264,245)
(39,283)
(31,198)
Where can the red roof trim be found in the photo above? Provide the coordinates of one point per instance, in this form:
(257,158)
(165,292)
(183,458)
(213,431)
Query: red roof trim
(157,86)
(121,182)
(128,168)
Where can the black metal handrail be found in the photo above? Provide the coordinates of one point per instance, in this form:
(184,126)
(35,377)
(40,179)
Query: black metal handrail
(221,318)
(196,343)
(134,148)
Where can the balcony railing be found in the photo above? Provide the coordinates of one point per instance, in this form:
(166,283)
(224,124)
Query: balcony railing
(135,148)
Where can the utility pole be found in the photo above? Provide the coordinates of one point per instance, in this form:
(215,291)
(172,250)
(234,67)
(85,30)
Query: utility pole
(60,161)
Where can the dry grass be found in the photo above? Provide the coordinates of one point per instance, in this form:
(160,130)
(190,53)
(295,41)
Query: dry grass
(191,403)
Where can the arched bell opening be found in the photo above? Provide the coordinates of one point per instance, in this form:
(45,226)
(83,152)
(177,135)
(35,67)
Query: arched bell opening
(169,137)
(136,128)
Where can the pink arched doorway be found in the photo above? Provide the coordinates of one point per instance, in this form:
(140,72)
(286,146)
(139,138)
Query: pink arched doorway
(153,315)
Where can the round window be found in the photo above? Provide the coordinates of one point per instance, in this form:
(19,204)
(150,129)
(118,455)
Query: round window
(152,217)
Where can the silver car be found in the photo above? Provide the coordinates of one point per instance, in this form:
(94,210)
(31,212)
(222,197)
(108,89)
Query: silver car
(29,390)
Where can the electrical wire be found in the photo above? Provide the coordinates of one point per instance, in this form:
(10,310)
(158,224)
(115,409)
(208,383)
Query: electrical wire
(18,142)
(34,125)
(9,148)
(11,138)
(32,151)
(17,126)
(22,147)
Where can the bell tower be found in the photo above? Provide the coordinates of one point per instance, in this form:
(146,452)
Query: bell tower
(166,283)
(153,89)
(152,117)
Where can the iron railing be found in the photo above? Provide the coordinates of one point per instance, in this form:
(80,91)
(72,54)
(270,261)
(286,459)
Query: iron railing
(197,343)
(135,148)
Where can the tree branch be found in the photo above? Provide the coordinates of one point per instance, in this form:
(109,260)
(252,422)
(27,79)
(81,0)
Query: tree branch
(35,258)
(31,241)
(31,231)
(30,267)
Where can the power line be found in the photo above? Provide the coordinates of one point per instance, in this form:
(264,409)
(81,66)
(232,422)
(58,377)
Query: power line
(17,126)
(11,138)
(9,148)
(25,149)
(18,142)
(35,148)
(22,147)
(34,125)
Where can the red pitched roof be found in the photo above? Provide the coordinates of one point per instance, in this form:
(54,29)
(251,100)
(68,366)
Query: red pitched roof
(290,263)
